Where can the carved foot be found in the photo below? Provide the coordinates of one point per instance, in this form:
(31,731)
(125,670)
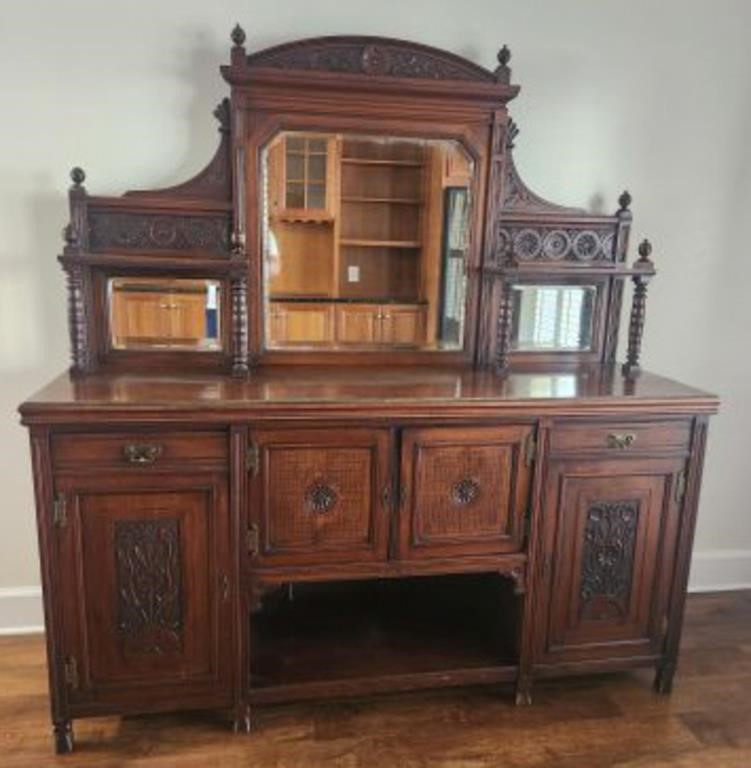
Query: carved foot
(242,722)
(63,734)
(524,692)
(664,678)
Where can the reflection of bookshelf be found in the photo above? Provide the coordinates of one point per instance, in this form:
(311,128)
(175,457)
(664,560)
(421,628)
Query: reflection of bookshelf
(381,215)
(354,226)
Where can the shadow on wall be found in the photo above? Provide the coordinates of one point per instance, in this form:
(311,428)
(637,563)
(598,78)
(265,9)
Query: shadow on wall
(196,62)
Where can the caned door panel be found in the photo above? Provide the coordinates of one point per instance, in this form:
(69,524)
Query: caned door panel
(318,495)
(146,591)
(610,532)
(465,490)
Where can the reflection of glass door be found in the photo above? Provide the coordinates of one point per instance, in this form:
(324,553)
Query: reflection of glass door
(453,278)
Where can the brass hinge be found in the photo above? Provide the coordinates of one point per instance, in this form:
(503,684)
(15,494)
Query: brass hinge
(251,539)
(680,486)
(530,450)
(253,459)
(59,512)
(71,672)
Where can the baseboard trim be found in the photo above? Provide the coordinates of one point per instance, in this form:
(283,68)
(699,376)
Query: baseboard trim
(719,570)
(21,610)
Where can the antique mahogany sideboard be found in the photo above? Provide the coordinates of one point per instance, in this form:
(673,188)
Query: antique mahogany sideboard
(344,414)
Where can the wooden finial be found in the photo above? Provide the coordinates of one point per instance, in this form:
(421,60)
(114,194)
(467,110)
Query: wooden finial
(503,72)
(78,176)
(645,251)
(238,36)
(624,201)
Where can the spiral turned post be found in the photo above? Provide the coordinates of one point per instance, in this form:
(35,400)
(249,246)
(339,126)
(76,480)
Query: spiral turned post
(643,272)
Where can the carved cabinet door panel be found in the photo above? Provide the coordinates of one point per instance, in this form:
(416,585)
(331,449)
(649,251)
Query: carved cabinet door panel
(146,591)
(320,495)
(465,490)
(610,530)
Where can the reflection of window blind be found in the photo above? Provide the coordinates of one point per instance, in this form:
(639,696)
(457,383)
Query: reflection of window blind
(557,318)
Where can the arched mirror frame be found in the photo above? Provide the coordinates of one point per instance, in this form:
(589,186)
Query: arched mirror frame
(282,89)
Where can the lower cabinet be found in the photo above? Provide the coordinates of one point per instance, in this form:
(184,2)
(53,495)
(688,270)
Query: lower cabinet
(465,490)
(145,591)
(319,495)
(610,531)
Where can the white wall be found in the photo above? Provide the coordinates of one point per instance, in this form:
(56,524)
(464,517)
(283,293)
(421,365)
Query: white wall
(655,97)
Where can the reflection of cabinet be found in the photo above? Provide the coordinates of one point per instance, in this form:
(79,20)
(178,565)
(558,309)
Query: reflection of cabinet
(322,322)
(158,317)
(398,324)
(300,323)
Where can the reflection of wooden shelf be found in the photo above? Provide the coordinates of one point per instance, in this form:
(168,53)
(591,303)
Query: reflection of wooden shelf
(373,161)
(303,216)
(388,200)
(381,243)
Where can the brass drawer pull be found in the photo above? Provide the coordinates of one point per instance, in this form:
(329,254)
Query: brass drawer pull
(142,453)
(621,440)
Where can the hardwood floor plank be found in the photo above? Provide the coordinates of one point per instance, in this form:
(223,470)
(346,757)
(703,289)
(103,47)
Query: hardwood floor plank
(589,722)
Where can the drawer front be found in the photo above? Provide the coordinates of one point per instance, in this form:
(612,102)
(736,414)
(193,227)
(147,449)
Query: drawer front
(141,450)
(320,496)
(623,437)
(466,490)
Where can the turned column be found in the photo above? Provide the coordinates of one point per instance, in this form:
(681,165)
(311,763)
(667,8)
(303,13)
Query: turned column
(643,272)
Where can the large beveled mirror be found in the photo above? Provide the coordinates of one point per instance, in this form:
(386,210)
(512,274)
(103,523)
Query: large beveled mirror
(364,242)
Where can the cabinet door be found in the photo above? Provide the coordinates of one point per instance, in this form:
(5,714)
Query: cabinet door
(357,323)
(609,537)
(301,323)
(402,325)
(318,495)
(466,490)
(146,591)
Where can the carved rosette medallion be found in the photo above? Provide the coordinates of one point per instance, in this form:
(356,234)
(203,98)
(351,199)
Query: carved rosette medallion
(320,497)
(608,559)
(465,492)
(556,244)
(149,585)
(586,246)
(527,244)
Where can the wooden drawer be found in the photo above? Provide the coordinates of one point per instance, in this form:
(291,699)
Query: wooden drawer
(140,449)
(620,437)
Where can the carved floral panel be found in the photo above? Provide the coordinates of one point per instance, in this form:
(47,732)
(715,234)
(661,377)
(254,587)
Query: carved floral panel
(149,585)
(139,231)
(608,559)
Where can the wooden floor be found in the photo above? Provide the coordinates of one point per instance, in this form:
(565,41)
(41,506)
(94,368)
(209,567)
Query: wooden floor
(580,723)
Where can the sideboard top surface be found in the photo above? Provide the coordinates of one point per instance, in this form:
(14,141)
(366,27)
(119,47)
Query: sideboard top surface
(361,392)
